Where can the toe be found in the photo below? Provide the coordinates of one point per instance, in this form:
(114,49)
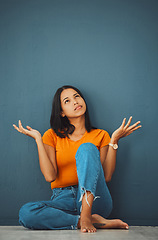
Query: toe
(83,230)
(127,227)
(93,230)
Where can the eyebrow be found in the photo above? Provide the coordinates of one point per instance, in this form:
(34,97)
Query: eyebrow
(73,95)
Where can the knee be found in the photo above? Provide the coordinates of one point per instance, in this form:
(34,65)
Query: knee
(87,156)
(26,215)
(87,148)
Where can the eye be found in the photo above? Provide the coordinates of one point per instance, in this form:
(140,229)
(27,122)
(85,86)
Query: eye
(77,95)
(66,101)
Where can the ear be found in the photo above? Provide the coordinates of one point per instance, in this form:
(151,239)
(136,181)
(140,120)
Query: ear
(62,114)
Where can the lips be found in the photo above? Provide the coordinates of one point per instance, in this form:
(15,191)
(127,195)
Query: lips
(78,107)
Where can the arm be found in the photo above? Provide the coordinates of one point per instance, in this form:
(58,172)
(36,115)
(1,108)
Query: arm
(108,160)
(46,153)
(108,154)
(47,160)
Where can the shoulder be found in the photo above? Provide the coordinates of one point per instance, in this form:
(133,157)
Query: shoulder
(50,132)
(50,137)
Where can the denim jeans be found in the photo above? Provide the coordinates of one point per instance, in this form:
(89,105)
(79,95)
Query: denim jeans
(62,211)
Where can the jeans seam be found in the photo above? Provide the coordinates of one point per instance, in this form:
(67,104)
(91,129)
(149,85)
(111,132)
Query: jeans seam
(74,198)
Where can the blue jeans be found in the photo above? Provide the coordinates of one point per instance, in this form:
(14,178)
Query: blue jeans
(63,210)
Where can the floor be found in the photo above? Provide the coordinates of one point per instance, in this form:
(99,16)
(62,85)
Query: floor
(134,232)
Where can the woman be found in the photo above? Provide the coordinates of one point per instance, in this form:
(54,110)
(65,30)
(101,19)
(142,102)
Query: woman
(78,160)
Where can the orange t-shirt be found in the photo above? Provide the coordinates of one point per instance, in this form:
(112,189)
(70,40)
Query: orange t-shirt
(66,149)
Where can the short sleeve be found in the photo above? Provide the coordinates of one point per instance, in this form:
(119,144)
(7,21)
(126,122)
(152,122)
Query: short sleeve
(105,140)
(50,138)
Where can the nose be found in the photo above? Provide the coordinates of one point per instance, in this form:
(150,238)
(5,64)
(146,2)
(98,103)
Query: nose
(75,102)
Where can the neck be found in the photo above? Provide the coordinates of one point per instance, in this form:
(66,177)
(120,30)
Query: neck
(79,124)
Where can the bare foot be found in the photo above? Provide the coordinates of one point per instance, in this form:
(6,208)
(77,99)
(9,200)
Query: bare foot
(85,223)
(100,222)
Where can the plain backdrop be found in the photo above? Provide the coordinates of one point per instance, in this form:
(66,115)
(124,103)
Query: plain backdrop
(109,50)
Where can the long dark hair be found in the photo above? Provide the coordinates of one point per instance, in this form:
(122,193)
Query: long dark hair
(61,125)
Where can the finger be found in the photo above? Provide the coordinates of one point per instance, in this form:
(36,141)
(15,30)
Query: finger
(136,128)
(20,123)
(128,123)
(123,122)
(16,128)
(28,127)
(23,130)
(20,126)
(132,130)
(134,125)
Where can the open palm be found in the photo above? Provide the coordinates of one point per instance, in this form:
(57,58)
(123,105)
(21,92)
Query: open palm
(29,131)
(125,130)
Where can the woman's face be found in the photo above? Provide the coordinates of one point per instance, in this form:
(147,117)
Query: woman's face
(72,104)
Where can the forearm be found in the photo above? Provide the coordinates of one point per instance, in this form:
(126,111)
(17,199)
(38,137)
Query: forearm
(122,131)
(110,161)
(46,166)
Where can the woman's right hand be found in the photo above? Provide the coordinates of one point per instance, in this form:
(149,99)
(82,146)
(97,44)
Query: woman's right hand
(29,131)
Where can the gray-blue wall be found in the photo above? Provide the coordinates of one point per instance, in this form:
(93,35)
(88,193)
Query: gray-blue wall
(109,50)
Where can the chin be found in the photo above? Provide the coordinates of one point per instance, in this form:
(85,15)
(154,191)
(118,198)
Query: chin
(77,115)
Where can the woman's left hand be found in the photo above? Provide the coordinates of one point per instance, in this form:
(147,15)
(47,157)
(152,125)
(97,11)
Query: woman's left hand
(125,130)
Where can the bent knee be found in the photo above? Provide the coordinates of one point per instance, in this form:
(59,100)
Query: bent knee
(27,215)
(88,148)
